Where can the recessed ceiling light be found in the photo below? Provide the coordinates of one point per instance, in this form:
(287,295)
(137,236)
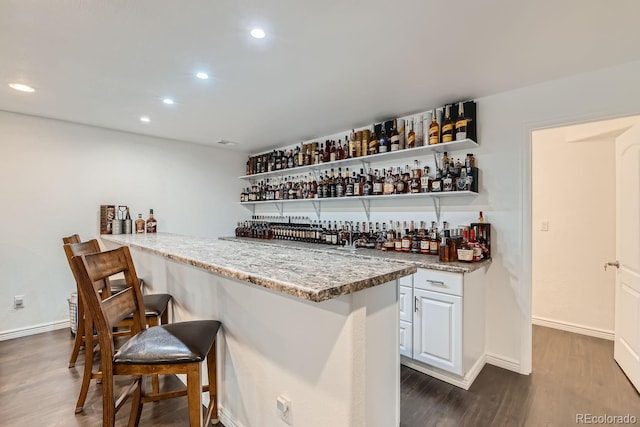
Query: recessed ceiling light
(145,119)
(168,101)
(225,142)
(202,75)
(21,87)
(258,33)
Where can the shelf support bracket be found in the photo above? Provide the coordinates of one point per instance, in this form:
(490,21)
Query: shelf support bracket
(436,207)
(280,207)
(366,204)
(317,208)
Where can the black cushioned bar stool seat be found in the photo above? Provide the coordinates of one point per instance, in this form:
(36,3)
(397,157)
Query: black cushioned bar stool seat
(173,343)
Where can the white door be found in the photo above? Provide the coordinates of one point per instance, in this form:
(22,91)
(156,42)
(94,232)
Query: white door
(437,330)
(627,323)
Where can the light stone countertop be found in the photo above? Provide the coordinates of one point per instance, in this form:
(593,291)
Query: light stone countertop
(301,273)
(430,262)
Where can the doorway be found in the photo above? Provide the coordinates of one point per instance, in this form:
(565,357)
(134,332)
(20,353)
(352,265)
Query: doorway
(573,226)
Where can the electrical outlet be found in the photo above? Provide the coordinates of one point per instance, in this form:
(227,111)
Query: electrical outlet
(284,409)
(18,301)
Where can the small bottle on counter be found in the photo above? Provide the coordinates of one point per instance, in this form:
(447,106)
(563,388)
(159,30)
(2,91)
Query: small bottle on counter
(151,222)
(140,224)
(128,229)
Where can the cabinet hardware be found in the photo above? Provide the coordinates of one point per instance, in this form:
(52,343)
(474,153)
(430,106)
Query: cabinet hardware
(415,304)
(437,283)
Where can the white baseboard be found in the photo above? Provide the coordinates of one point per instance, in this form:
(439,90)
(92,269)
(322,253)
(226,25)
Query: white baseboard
(503,362)
(226,418)
(32,330)
(572,327)
(453,379)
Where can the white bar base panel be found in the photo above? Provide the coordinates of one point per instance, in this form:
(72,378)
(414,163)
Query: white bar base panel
(337,361)
(32,330)
(572,327)
(456,380)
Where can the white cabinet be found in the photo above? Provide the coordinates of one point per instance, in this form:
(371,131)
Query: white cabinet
(448,325)
(405,299)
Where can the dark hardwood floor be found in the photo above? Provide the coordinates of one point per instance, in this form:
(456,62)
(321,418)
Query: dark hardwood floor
(571,374)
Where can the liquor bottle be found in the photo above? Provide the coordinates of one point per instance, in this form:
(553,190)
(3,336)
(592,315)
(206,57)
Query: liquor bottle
(447,126)
(395,137)
(300,155)
(406,239)
(316,155)
(436,183)
(434,129)
(354,145)
(402,133)
(425,180)
(443,250)
(367,187)
(290,158)
(411,137)
(358,184)
(465,251)
(373,142)
(341,155)
(349,184)
(333,152)
(447,181)
(461,123)
(152,224)
(397,243)
(416,242)
(425,240)
(418,131)
(414,185)
(332,184)
(340,184)
(140,224)
(364,142)
(434,243)
(377,184)
(388,185)
(383,141)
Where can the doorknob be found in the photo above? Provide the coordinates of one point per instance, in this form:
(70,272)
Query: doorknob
(615,264)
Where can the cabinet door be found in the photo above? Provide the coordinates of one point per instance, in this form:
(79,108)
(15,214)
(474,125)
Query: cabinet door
(437,329)
(405,299)
(406,339)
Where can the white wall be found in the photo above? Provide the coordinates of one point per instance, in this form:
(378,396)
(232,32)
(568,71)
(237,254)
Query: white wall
(573,189)
(53,178)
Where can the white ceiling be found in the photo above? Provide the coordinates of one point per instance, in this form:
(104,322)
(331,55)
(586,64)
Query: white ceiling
(325,66)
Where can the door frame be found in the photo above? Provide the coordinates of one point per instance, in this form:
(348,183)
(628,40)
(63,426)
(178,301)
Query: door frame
(526,343)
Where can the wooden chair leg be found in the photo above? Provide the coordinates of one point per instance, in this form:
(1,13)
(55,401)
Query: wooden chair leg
(194,395)
(212,409)
(155,384)
(79,340)
(108,398)
(88,365)
(136,405)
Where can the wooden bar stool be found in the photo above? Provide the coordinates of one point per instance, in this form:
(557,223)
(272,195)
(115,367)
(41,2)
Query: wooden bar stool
(156,310)
(177,348)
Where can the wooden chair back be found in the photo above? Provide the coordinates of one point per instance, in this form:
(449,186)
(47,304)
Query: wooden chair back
(74,238)
(86,248)
(107,313)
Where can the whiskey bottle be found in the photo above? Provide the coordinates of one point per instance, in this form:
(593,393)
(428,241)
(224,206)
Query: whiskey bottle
(332,185)
(152,224)
(461,123)
(447,126)
(406,239)
(425,180)
(354,145)
(411,137)
(350,185)
(436,183)
(140,224)
(340,184)
(397,243)
(388,186)
(434,129)
(434,243)
(342,153)
(383,141)
(443,250)
(367,187)
(425,239)
(465,251)
(373,142)
(418,127)
(333,152)
(395,137)
(414,185)
(377,184)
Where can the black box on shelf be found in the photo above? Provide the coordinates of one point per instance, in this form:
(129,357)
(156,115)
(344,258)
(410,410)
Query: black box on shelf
(470,112)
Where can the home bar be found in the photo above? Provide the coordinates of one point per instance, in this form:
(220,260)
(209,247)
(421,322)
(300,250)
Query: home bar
(295,214)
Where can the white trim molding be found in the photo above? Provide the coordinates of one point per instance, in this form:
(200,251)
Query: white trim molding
(462,382)
(32,330)
(572,327)
(504,363)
